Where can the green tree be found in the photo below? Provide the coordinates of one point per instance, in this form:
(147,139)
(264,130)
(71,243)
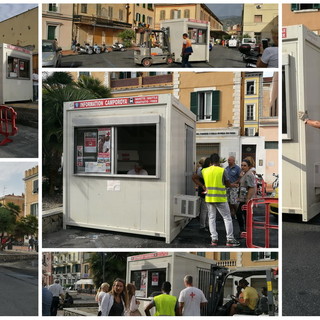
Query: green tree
(127,36)
(94,86)
(113,263)
(26,226)
(57,89)
(7,225)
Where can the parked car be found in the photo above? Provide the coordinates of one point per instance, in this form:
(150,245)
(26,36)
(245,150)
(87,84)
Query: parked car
(51,54)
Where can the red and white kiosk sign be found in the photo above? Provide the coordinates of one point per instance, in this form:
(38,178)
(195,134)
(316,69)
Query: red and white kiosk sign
(115,102)
(284,33)
(149,256)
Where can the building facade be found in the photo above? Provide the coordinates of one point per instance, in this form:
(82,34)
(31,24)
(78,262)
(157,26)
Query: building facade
(259,19)
(17,200)
(307,14)
(99,23)
(57,23)
(31,181)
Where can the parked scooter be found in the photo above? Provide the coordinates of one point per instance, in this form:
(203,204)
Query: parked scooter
(84,49)
(261,185)
(104,48)
(117,46)
(96,49)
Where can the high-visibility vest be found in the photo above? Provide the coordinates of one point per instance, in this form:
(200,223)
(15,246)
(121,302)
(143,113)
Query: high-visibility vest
(165,305)
(216,190)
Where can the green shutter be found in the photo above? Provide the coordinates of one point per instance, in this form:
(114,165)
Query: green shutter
(316,6)
(274,255)
(194,103)
(121,75)
(294,6)
(152,73)
(254,256)
(215,115)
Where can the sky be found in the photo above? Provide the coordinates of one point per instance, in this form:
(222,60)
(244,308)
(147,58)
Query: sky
(10,10)
(226,10)
(11,177)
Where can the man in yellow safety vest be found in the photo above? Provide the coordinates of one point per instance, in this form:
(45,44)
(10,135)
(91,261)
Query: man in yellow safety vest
(166,305)
(215,182)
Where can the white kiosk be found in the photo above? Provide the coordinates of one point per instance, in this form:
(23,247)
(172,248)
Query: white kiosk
(148,271)
(16,74)
(199,34)
(300,144)
(105,141)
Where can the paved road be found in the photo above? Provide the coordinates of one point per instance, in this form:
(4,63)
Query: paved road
(189,237)
(301,248)
(19,291)
(24,145)
(220,57)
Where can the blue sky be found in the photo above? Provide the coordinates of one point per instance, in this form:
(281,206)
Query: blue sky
(11,176)
(10,10)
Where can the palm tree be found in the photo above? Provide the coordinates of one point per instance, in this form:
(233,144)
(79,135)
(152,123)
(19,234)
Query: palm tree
(57,89)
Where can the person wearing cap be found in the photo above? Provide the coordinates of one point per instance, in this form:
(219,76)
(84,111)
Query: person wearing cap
(250,300)
(165,304)
(303,116)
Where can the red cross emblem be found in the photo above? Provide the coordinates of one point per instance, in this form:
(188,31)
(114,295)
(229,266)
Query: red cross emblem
(192,295)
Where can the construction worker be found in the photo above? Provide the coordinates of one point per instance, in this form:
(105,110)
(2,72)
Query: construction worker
(303,115)
(215,182)
(166,305)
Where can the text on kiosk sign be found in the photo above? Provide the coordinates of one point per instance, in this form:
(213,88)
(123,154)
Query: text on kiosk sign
(113,102)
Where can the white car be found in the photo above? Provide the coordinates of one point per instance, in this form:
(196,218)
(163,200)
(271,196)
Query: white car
(51,54)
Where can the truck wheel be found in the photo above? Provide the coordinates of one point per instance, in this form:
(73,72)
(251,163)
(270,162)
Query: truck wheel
(146,62)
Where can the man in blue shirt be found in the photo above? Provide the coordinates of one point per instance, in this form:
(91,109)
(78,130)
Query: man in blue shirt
(234,176)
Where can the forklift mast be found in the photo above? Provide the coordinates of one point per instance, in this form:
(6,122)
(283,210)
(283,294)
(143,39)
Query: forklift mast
(217,278)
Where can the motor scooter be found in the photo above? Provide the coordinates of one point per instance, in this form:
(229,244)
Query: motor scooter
(117,46)
(84,49)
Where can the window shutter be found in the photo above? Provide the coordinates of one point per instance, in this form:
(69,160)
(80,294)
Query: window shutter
(294,6)
(254,256)
(274,255)
(152,73)
(316,6)
(194,103)
(215,115)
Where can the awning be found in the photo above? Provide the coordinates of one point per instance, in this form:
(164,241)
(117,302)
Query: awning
(84,281)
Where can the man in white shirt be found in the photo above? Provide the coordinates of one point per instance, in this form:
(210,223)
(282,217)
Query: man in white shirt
(191,299)
(57,291)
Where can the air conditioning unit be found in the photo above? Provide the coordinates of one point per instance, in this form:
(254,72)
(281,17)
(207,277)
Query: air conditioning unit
(186,206)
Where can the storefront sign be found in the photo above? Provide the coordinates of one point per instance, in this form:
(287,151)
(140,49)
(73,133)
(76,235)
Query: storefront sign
(115,102)
(11,47)
(149,256)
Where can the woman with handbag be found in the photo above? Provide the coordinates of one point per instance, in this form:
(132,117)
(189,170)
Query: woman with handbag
(104,288)
(133,303)
(115,302)
(186,51)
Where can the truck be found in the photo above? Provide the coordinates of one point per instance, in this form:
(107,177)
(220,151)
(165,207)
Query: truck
(128,164)
(300,143)
(16,74)
(147,271)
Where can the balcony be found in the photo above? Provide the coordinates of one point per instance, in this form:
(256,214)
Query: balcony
(100,22)
(227,263)
(142,82)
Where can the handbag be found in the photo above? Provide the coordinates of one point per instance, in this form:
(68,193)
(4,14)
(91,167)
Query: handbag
(135,313)
(188,50)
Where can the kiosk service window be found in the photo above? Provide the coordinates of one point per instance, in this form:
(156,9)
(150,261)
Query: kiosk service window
(116,150)
(197,36)
(148,282)
(18,68)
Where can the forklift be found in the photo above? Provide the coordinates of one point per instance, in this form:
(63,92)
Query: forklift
(219,305)
(154,47)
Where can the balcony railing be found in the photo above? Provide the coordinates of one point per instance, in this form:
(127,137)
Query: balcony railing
(227,263)
(140,82)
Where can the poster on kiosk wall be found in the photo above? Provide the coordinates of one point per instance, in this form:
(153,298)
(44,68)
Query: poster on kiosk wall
(104,148)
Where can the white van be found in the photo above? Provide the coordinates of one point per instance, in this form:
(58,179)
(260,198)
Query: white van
(251,41)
